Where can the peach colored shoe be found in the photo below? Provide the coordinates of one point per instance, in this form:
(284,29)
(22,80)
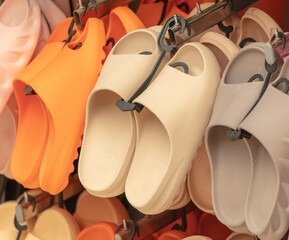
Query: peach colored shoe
(230,161)
(54,224)
(109,138)
(20,22)
(233,21)
(33,114)
(107,209)
(167,131)
(256,25)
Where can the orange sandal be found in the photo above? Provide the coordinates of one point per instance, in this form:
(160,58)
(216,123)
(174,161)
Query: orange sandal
(32,133)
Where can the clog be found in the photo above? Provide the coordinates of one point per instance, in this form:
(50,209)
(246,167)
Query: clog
(240,236)
(105,209)
(257,26)
(109,137)
(267,211)
(173,235)
(168,131)
(32,132)
(54,224)
(98,231)
(230,161)
(211,227)
(20,22)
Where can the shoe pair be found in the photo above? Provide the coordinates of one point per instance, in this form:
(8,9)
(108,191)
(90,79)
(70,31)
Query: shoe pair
(52,93)
(247,145)
(254,26)
(147,154)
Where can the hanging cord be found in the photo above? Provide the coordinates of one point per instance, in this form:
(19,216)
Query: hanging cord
(235,134)
(17,225)
(185,6)
(176,19)
(71,32)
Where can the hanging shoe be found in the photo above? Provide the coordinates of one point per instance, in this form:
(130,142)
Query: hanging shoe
(54,224)
(109,138)
(199,176)
(107,209)
(20,22)
(230,25)
(32,132)
(171,126)
(230,161)
(256,26)
(66,117)
(267,209)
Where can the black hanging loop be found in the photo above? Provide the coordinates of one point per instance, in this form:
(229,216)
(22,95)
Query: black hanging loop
(226,29)
(184,225)
(171,21)
(71,32)
(282,80)
(60,200)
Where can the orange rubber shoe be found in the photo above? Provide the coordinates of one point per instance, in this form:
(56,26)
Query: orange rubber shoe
(122,20)
(33,126)
(64,86)
(153,13)
(98,231)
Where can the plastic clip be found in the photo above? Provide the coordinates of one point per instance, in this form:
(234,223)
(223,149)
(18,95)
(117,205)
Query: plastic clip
(176,19)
